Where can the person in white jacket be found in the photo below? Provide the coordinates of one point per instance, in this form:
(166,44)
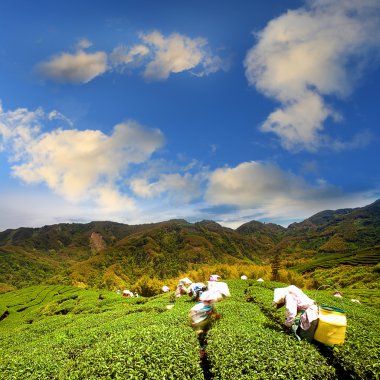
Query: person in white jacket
(196,289)
(295,301)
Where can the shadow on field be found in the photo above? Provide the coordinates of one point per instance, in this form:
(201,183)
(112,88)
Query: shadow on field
(4,315)
(205,363)
(340,372)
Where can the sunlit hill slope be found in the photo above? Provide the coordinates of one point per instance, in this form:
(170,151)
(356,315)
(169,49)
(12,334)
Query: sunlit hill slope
(113,255)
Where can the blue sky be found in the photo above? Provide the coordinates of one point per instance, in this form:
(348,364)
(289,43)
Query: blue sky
(144,111)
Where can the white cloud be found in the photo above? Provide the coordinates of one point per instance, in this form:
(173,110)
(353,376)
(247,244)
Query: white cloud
(123,57)
(253,183)
(309,53)
(83,43)
(55,115)
(178,188)
(18,127)
(159,56)
(80,67)
(177,53)
(263,191)
(78,165)
(110,199)
(169,183)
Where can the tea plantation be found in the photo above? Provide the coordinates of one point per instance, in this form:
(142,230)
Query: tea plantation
(61,332)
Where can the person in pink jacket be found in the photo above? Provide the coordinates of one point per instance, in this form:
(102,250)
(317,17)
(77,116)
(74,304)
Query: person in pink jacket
(296,301)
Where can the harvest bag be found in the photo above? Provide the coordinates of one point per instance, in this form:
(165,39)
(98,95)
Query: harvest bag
(331,326)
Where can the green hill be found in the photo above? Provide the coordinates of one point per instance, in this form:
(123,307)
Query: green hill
(114,255)
(337,231)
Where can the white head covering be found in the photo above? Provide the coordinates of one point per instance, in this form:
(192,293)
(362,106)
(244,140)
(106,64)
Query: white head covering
(185,280)
(280,294)
(165,289)
(211,296)
(220,287)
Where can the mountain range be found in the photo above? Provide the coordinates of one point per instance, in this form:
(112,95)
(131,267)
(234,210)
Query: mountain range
(111,255)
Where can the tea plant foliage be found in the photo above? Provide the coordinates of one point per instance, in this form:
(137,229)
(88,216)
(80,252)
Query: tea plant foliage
(62,332)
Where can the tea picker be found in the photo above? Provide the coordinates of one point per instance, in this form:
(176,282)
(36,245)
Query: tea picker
(181,286)
(295,301)
(323,324)
(214,277)
(196,289)
(203,313)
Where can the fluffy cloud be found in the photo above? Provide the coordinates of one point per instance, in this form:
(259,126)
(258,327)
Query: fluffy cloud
(76,68)
(18,127)
(307,54)
(169,182)
(177,187)
(177,53)
(78,165)
(263,191)
(123,57)
(158,55)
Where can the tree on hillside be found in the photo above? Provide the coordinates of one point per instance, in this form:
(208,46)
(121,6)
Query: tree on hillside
(275,266)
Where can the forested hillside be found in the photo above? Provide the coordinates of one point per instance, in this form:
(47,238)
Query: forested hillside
(113,255)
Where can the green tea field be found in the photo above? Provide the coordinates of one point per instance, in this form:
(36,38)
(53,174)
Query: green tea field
(62,332)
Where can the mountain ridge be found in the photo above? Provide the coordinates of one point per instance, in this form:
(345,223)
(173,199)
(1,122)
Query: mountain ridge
(110,254)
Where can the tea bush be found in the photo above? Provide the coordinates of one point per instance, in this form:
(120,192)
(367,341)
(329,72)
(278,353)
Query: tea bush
(62,332)
(358,357)
(246,344)
(121,338)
